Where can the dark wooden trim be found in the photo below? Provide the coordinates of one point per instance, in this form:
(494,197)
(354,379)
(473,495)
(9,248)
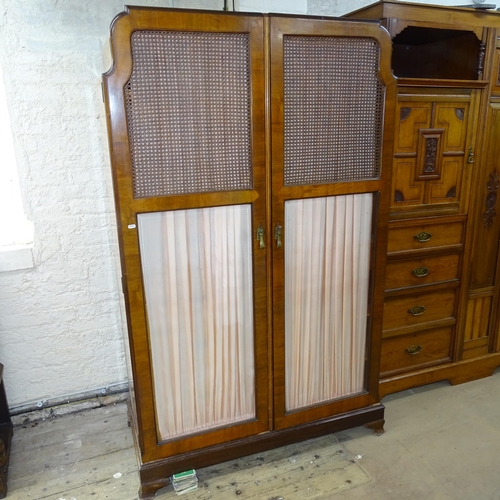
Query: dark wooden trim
(434,83)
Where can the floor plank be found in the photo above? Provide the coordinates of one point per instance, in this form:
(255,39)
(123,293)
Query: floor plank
(441,442)
(91,455)
(75,457)
(69,442)
(309,470)
(90,476)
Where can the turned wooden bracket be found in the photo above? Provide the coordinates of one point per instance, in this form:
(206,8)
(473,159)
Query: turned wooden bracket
(480,62)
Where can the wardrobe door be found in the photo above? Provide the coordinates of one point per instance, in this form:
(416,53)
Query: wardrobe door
(332,106)
(185,102)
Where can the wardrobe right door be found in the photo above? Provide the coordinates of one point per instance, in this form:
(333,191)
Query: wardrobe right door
(331,110)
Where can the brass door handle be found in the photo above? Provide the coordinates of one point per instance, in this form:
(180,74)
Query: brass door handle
(420,272)
(416,310)
(414,349)
(423,237)
(277,235)
(260,236)
(471,158)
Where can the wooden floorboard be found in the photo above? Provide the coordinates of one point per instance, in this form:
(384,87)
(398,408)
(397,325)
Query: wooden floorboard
(90,455)
(317,468)
(67,448)
(440,442)
(81,456)
(83,479)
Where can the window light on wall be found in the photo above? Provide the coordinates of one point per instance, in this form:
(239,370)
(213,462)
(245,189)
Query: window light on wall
(16,232)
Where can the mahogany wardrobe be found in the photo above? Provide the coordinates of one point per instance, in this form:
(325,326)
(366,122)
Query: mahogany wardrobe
(251,159)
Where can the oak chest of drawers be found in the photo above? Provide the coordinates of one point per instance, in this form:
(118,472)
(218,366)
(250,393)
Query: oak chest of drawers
(442,289)
(422,283)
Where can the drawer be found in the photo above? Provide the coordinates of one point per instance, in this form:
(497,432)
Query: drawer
(414,310)
(409,352)
(422,271)
(418,237)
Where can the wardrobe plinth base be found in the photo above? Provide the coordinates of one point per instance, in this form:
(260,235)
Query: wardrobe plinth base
(155,475)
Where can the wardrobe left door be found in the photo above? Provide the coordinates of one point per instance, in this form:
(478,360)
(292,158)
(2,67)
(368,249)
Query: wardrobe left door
(186,117)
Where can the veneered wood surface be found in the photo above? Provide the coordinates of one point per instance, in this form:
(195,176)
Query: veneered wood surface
(478,314)
(236,440)
(487,221)
(441,268)
(443,232)
(439,305)
(434,344)
(446,118)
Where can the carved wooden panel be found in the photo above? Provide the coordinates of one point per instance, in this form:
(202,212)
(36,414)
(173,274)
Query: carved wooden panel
(487,220)
(410,189)
(430,152)
(491,199)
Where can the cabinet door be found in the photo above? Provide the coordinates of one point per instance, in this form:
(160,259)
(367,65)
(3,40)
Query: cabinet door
(329,213)
(186,102)
(481,325)
(432,151)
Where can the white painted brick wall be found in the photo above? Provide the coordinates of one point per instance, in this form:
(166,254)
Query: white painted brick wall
(61,322)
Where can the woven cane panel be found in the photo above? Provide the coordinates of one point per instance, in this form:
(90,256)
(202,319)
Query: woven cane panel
(188,111)
(333,109)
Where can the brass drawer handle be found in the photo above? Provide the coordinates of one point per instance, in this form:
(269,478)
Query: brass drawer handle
(414,349)
(420,272)
(416,310)
(423,237)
